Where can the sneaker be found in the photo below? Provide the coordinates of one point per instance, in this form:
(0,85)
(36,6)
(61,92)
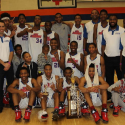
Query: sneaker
(5,100)
(27,115)
(111,105)
(42,115)
(55,114)
(95,115)
(61,109)
(84,110)
(104,115)
(18,115)
(116,110)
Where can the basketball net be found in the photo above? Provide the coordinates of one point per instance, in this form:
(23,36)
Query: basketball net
(57,1)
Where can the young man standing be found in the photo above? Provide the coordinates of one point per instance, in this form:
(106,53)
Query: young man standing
(6,67)
(95,58)
(24,96)
(90,84)
(88,30)
(110,50)
(74,60)
(49,82)
(63,31)
(36,37)
(51,34)
(98,29)
(58,58)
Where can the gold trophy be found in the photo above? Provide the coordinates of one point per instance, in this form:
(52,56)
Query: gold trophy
(45,91)
(73,104)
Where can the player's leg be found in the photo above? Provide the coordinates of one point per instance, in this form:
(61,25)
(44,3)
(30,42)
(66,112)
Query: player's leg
(61,103)
(16,99)
(94,112)
(115,100)
(104,112)
(28,110)
(42,114)
(56,106)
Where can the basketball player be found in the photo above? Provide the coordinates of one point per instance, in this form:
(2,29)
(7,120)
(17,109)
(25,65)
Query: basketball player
(98,29)
(95,58)
(36,37)
(49,82)
(25,95)
(77,32)
(88,30)
(62,30)
(6,18)
(58,58)
(51,34)
(74,59)
(23,40)
(64,85)
(91,82)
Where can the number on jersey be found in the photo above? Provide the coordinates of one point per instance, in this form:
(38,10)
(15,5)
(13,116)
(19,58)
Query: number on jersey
(56,64)
(38,40)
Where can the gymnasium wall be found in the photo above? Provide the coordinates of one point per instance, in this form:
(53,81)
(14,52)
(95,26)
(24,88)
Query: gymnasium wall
(30,8)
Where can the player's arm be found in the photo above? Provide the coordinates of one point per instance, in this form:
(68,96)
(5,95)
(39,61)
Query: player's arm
(36,87)
(103,45)
(70,24)
(84,46)
(62,60)
(60,85)
(79,67)
(85,64)
(22,32)
(95,34)
(77,80)
(12,86)
(104,84)
(45,37)
(121,49)
(102,67)
(57,38)
(81,85)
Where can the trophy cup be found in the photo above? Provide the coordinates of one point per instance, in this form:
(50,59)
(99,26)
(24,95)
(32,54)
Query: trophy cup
(73,100)
(45,91)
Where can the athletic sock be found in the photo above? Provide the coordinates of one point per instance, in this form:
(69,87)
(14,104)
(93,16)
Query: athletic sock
(104,106)
(29,107)
(16,107)
(92,108)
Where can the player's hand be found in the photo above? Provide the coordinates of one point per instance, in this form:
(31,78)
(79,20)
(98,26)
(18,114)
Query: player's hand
(11,22)
(13,32)
(30,30)
(28,87)
(116,89)
(22,94)
(85,53)
(53,87)
(40,95)
(45,57)
(56,56)
(6,66)
(95,89)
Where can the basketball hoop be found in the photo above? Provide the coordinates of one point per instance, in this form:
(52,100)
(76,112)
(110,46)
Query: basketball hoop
(57,1)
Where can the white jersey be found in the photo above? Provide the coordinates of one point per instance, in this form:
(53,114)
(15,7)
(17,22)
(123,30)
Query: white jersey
(77,35)
(55,65)
(99,36)
(23,40)
(35,44)
(77,59)
(47,83)
(96,61)
(65,84)
(24,102)
(50,36)
(8,33)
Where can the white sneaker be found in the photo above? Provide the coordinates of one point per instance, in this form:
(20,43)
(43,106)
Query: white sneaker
(42,115)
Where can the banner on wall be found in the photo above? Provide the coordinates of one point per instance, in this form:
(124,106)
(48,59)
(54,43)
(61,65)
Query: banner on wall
(44,4)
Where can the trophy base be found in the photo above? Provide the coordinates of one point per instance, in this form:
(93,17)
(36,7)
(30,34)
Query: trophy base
(46,93)
(72,116)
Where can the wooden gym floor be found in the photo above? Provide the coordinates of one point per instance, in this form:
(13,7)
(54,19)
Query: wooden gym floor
(7,117)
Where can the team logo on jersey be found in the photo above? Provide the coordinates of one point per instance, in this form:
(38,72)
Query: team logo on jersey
(54,59)
(117,33)
(77,32)
(25,37)
(35,35)
(24,89)
(48,38)
(100,33)
(76,61)
(48,85)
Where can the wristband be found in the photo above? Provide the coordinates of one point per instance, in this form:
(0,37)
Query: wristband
(9,63)
(120,64)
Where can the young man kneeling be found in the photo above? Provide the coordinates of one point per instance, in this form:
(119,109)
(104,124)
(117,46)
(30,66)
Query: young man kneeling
(90,84)
(24,96)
